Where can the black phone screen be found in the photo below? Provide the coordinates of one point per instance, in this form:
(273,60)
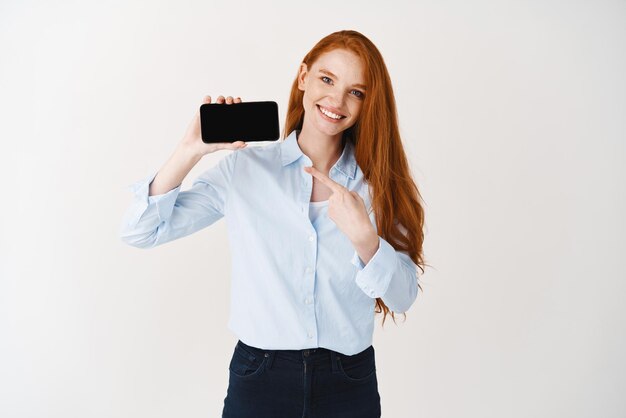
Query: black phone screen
(245,121)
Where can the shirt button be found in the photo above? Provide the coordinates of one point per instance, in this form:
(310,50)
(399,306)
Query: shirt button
(308,269)
(310,335)
(308,301)
(311,237)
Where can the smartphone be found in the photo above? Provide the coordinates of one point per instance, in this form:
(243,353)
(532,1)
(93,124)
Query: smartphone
(245,121)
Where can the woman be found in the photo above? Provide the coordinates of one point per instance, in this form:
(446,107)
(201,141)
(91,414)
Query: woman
(325,230)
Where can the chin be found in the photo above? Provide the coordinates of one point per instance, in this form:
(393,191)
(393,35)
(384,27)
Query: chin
(329,130)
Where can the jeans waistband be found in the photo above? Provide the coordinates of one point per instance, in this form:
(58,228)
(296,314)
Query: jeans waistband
(297,355)
(309,355)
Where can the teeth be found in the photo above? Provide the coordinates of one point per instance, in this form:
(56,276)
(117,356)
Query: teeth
(330,114)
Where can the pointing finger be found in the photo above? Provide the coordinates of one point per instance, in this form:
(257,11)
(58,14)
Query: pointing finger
(327,181)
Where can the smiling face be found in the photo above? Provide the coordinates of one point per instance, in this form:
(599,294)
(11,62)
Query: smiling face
(333,86)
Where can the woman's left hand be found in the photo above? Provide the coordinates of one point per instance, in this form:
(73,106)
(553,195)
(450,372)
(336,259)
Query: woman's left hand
(346,209)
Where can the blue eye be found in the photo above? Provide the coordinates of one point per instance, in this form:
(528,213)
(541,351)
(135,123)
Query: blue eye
(360,94)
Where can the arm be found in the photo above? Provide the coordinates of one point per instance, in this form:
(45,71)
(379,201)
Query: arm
(388,274)
(174,171)
(153,220)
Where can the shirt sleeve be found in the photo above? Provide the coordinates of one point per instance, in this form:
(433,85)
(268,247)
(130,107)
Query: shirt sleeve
(390,275)
(155,220)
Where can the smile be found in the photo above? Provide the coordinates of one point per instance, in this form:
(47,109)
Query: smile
(328,115)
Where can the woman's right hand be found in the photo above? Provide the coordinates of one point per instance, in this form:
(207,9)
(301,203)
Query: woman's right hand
(192,141)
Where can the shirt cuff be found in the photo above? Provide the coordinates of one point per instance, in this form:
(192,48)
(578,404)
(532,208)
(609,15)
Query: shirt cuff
(374,277)
(163,203)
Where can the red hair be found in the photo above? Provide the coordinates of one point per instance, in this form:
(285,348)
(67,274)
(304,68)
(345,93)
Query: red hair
(378,149)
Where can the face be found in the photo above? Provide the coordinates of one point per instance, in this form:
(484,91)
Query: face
(334,83)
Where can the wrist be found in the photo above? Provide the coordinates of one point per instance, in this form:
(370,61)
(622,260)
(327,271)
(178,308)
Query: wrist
(367,247)
(368,239)
(188,154)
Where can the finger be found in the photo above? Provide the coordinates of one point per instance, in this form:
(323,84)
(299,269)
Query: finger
(232,145)
(236,145)
(327,181)
(356,195)
(205,100)
(220,99)
(238,100)
(229,100)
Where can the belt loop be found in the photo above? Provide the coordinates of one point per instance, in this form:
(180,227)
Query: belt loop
(334,359)
(270,354)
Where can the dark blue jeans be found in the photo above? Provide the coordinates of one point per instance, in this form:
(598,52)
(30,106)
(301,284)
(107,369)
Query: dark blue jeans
(310,383)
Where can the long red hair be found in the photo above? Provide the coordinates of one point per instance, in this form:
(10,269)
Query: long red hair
(378,149)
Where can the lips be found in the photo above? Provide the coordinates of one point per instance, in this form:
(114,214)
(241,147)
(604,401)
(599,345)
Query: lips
(328,117)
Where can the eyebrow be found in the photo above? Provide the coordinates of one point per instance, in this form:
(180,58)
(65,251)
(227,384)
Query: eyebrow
(322,70)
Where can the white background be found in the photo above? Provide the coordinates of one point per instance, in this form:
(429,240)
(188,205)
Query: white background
(513,118)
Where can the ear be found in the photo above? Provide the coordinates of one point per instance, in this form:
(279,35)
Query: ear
(302,76)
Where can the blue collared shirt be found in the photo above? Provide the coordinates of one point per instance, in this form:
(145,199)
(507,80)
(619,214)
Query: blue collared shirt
(296,284)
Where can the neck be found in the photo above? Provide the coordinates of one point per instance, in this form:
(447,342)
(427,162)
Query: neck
(323,150)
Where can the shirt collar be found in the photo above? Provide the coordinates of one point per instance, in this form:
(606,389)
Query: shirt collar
(290,151)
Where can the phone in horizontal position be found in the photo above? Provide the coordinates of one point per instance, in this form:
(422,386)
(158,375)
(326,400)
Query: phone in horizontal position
(244,121)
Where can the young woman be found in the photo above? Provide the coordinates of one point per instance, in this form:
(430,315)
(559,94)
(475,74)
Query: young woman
(325,231)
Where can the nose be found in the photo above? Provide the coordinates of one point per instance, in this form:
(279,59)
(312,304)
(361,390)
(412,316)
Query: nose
(337,100)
